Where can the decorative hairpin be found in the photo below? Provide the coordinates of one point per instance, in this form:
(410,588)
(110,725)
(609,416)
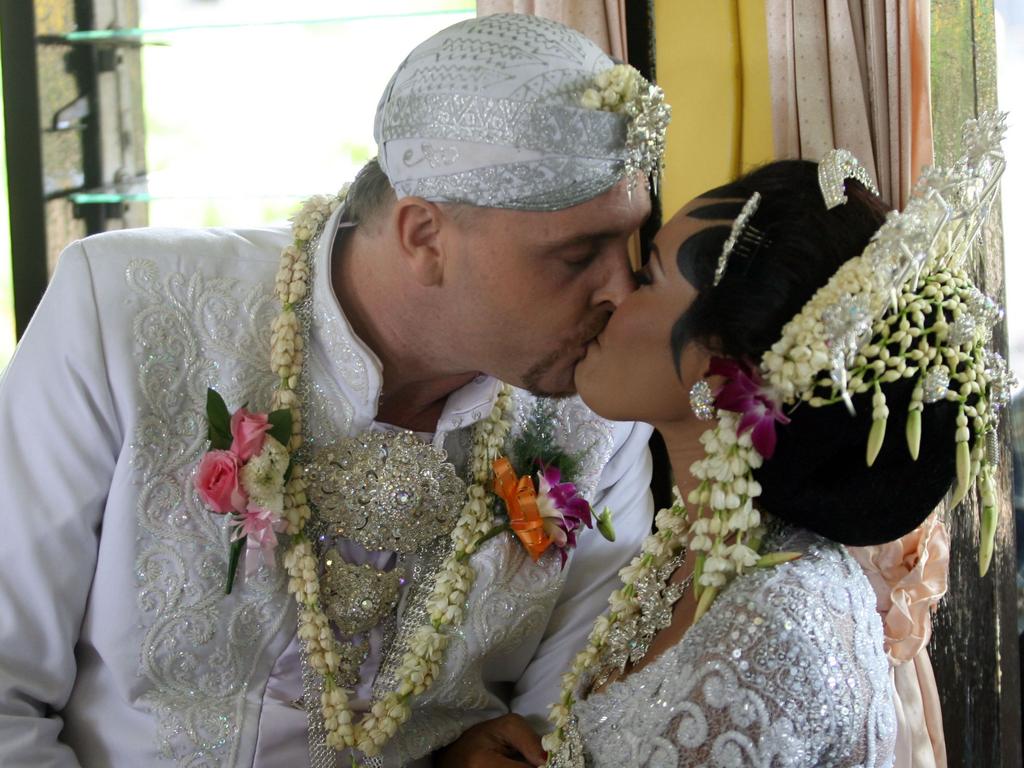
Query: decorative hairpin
(744,239)
(835,168)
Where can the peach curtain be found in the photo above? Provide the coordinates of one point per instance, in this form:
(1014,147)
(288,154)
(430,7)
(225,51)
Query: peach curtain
(853,74)
(603,21)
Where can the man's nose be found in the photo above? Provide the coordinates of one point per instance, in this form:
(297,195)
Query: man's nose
(618,280)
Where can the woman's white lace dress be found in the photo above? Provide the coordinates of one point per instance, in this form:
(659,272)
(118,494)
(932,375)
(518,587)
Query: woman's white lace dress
(786,669)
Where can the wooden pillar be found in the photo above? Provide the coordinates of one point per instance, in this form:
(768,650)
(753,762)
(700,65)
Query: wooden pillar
(974,648)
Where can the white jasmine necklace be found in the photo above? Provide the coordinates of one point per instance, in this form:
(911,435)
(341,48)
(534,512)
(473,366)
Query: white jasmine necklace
(445,605)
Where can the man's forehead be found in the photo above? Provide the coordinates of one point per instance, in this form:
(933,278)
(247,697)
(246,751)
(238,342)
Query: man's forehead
(608,215)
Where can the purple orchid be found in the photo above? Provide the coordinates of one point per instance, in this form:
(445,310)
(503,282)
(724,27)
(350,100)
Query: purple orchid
(743,392)
(562,509)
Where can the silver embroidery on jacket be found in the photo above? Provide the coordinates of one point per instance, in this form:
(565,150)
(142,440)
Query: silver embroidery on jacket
(200,647)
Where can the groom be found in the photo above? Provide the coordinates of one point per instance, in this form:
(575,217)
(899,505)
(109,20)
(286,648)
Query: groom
(488,244)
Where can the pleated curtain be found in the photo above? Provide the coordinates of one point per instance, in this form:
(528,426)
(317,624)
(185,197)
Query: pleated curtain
(603,21)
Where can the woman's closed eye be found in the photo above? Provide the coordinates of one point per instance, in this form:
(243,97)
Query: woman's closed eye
(643,275)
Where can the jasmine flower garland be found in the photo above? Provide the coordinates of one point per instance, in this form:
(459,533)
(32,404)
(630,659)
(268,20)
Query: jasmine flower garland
(446,604)
(623,90)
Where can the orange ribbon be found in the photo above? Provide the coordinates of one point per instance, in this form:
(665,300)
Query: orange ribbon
(520,499)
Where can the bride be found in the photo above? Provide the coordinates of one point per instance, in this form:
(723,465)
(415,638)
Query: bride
(803,410)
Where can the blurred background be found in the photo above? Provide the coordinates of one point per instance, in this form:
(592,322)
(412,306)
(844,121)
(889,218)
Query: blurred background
(227,112)
(1010,75)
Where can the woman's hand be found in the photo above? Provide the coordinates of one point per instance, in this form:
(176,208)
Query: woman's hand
(504,742)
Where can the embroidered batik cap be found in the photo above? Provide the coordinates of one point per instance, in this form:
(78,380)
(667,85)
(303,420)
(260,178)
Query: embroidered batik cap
(491,112)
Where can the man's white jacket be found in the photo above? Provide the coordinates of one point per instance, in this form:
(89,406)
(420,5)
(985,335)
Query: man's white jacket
(118,646)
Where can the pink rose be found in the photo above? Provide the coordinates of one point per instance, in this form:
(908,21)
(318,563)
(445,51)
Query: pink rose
(218,482)
(248,432)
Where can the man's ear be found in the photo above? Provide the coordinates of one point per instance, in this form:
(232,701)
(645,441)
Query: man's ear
(417,226)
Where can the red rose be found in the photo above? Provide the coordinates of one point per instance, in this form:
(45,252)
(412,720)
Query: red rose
(218,482)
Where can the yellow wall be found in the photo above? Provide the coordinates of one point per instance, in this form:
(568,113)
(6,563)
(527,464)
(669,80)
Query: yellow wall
(712,61)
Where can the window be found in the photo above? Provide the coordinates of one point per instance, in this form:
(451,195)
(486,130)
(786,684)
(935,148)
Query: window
(245,119)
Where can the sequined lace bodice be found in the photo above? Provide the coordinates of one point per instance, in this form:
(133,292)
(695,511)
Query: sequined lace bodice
(786,669)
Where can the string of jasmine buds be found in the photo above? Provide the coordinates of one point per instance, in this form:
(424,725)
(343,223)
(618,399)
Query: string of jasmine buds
(668,540)
(287,344)
(724,509)
(286,358)
(445,606)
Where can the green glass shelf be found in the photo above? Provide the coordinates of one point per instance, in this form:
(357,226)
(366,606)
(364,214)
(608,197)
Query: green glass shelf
(136,35)
(133,192)
(146,189)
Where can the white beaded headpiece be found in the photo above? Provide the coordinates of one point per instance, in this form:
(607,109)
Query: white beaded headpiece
(907,309)
(516,111)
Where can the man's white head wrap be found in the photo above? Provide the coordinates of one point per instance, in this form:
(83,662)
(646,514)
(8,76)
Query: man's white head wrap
(490,111)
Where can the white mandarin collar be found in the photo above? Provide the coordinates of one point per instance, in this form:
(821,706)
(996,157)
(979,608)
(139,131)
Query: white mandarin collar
(356,369)
(467,405)
(350,364)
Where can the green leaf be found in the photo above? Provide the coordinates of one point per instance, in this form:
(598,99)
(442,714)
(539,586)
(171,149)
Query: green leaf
(219,421)
(281,425)
(233,557)
(536,447)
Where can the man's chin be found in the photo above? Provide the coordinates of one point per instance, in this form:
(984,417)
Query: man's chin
(550,382)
